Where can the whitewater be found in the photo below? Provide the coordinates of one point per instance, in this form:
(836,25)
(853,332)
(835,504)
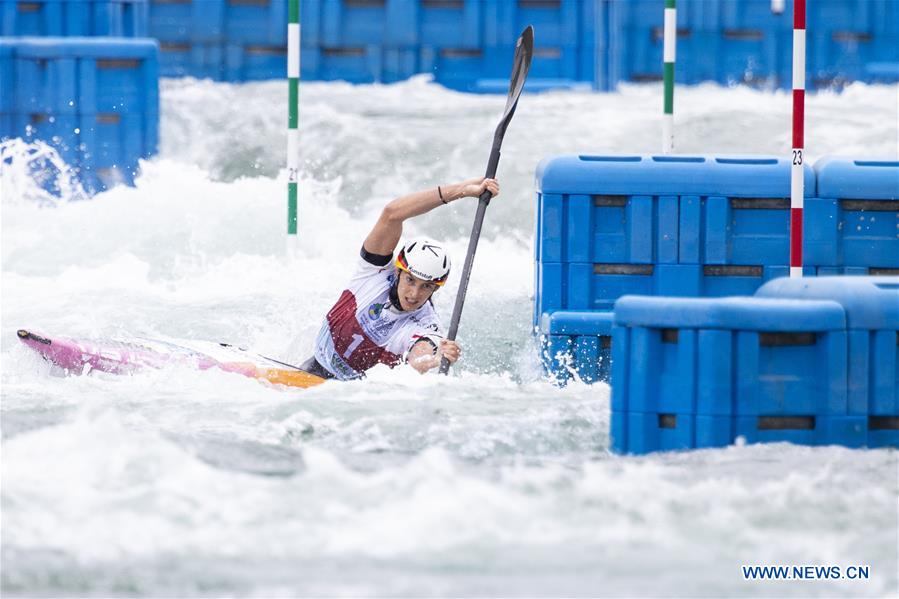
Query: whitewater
(492,481)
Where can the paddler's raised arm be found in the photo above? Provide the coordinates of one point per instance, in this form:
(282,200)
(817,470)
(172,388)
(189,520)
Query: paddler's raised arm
(388,229)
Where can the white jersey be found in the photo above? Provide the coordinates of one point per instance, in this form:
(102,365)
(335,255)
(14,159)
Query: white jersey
(364,328)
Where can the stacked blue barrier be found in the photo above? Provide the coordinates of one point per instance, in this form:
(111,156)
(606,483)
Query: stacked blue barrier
(95,100)
(745,41)
(116,18)
(737,41)
(347,40)
(851,223)
(466,44)
(871,305)
(690,226)
(852,40)
(231,40)
(697,372)
(569,35)
(809,361)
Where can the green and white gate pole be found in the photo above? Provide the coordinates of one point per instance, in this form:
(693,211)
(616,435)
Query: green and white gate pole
(293,100)
(670,42)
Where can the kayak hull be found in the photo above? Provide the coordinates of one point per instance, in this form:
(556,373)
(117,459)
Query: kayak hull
(125,357)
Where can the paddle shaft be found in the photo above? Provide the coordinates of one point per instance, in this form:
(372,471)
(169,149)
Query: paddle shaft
(483,202)
(524,49)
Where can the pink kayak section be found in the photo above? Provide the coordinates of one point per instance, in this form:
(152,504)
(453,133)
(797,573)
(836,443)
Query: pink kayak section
(122,357)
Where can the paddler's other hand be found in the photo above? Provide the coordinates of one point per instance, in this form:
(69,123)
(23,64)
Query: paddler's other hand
(449,350)
(473,188)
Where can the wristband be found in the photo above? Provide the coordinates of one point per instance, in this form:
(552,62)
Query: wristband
(440,193)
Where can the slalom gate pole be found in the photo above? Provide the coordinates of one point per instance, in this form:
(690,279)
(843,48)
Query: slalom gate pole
(670,42)
(293,100)
(797,181)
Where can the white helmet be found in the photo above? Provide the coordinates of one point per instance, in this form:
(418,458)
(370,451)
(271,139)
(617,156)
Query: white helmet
(425,259)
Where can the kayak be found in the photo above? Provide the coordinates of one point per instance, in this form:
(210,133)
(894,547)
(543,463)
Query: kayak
(125,357)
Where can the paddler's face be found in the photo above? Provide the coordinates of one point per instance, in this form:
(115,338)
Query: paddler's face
(413,292)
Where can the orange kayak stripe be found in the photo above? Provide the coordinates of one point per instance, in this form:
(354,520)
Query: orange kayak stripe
(291,378)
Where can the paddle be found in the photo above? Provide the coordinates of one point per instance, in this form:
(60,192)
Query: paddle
(524,49)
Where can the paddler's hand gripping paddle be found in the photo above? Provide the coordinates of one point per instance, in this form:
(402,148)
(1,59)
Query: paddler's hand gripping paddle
(524,50)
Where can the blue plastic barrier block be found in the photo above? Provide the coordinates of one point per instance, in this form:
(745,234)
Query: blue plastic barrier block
(707,48)
(871,305)
(559,21)
(94,99)
(643,385)
(883,431)
(189,22)
(479,60)
(714,431)
(628,175)
(853,271)
(747,231)
(744,41)
(86,75)
(456,24)
(597,286)
(586,357)
(849,431)
(255,22)
(57,130)
(253,63)
(203,60)
(551,288)
(658,432)
(748,15)
(726,280)
(399,64)
(803,375)
(571,322)
(679,280)
(731,313)
(787,357)
(716,390)
(116,18)
(359,64)
(667,242)
(621,348)
(7,84)
(853,220)
(557,357)
(6,126)
(618,430)
(354,24)
(611,281)
(845,35)
(551,227)
(579,228)
(590,335)
(731,210)
(579,292)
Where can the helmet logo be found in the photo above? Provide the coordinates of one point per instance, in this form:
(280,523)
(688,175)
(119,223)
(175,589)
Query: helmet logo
(433,248)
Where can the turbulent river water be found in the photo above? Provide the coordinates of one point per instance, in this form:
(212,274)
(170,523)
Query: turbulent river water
(490,482)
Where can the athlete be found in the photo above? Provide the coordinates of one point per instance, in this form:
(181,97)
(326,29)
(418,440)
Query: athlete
(385,315)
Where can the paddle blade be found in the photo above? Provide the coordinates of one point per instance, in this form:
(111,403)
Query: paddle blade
(524,51)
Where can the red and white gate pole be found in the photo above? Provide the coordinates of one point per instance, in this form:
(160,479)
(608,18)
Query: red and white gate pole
(797,180)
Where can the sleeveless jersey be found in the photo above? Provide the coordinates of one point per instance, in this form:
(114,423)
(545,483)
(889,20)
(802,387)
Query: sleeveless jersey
(363,328)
